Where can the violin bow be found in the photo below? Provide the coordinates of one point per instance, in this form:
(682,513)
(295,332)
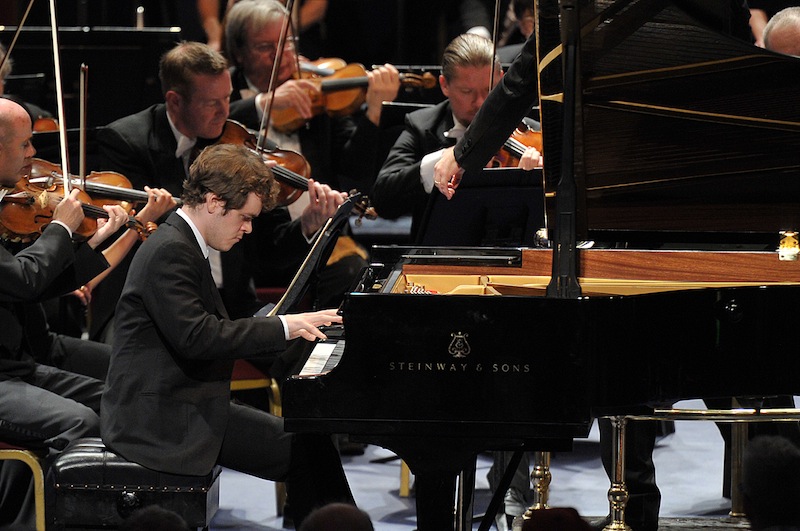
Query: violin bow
(16,35)
(495,36)
(276,66)
(62,130)
(84,89)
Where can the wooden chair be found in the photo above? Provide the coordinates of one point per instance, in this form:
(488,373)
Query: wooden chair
(33,460)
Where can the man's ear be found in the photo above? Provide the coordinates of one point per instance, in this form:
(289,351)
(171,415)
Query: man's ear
(173,99)
(445,88)
(214,203)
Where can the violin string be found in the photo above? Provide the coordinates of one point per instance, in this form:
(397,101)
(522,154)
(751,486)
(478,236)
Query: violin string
(516,147)
(296,180)
(288,176)
(117,192)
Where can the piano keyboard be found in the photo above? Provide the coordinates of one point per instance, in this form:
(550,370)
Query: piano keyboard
(323,358)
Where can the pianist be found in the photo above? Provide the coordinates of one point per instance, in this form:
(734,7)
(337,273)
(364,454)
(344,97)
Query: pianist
(167,399)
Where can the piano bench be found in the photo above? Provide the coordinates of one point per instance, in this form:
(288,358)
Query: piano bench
(33,459)
(91,486)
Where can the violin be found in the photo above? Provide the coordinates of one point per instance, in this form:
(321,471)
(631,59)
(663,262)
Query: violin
(322,67)
(44,124)
(340,94)
(522,138)
(105,187)
(292,170)
(27,209)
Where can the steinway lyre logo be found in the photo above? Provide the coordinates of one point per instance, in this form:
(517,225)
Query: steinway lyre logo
(459,347)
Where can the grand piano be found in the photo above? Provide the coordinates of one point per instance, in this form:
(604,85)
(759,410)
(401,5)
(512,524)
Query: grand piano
(669,143)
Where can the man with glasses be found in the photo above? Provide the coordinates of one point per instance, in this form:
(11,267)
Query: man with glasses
(342,151)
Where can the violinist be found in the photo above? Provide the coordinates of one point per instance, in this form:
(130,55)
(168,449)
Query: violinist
(155,146)
(493,123)
(341,150)
(406,178)
(40,403)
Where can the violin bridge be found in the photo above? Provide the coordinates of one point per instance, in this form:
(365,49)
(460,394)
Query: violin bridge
(42,199)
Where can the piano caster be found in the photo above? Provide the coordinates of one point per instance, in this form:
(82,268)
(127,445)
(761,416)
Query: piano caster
(618,493)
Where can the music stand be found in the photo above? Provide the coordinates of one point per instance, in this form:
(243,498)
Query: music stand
(316,259)
(495,207)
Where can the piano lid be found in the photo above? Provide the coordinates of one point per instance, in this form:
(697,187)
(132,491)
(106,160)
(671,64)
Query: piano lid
(680,126)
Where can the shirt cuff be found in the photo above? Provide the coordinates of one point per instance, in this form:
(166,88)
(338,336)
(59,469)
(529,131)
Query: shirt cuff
(285,327)
(426,169)
(259,108)
(57,222)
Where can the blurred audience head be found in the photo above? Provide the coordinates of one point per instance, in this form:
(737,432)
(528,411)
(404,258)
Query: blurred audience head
(337,517)
(771,482)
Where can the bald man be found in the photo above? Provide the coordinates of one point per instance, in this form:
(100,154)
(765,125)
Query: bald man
(782,33)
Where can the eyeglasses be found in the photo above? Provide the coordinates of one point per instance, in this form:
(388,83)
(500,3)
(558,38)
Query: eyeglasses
(271,48)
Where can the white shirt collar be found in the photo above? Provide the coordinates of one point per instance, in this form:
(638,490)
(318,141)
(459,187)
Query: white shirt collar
(200,240)
(250,91)
(457,131)
(185,144)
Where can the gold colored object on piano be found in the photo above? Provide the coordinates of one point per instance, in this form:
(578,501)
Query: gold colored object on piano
(789,247)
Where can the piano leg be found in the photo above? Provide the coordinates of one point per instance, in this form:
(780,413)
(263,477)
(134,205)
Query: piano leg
(435,492)
(465,497)
(541,477)
(436,463)
(618,493)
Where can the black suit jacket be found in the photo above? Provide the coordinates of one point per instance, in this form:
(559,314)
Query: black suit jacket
(398,190)
(50,267)
(166,402)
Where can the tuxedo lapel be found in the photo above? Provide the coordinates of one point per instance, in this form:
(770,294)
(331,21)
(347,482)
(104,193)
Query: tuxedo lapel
(208,287)
(218,302)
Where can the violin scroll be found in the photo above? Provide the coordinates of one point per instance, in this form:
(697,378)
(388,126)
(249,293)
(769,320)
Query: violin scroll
(425,80)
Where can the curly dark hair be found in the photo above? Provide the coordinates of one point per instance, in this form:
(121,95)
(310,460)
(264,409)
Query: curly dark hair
(232,172)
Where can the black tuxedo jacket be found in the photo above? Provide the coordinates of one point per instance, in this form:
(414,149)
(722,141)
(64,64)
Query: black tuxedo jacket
(50,267)
(398,190)
(166,402)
